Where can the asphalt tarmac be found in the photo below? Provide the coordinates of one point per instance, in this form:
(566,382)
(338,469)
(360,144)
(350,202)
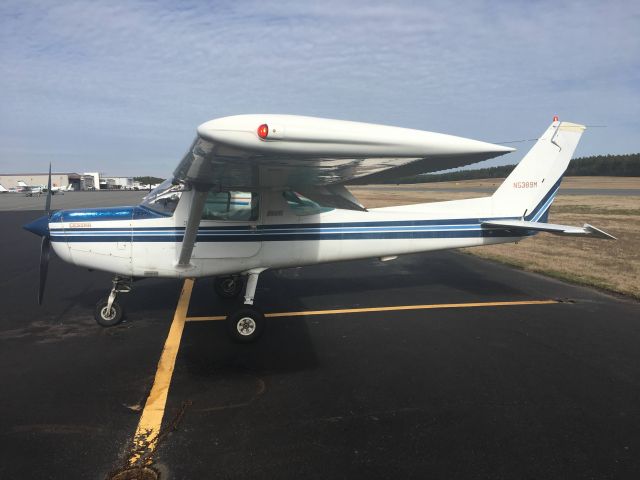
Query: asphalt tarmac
(518,391)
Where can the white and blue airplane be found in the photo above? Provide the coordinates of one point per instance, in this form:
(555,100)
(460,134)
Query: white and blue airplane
(256,192)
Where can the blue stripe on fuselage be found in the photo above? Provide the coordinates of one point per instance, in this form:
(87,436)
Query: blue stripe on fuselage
(264,233)
(258,237)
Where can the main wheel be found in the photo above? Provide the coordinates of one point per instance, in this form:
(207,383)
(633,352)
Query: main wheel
(106,318)
(228,287)
(246,325)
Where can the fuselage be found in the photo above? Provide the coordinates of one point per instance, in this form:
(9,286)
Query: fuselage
(141,241)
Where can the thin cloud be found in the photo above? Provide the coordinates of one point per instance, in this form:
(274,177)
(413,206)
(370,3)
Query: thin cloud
(120,86)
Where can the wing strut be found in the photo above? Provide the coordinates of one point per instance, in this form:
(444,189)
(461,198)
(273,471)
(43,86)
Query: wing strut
(196,207)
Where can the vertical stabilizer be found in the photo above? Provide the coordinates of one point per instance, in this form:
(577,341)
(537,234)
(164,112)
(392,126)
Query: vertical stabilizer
(531,187)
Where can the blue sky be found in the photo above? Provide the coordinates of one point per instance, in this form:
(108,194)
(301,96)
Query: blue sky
(120,86)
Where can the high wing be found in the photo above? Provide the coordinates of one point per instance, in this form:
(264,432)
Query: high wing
(314,156)
(253,151)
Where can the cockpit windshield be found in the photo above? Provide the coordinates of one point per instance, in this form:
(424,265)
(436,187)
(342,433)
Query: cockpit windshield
(164,198)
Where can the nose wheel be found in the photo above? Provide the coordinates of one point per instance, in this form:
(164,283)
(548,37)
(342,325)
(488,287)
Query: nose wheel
(108,316)
(108,311)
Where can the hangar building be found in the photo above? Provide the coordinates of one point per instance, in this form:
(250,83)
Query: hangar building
(10,180)
(85,181)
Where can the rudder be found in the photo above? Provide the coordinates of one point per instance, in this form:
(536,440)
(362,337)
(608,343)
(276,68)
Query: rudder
(531,187)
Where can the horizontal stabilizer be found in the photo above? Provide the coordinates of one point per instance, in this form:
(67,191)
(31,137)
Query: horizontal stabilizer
(586,231)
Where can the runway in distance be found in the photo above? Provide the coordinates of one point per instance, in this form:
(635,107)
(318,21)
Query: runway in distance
(255,192)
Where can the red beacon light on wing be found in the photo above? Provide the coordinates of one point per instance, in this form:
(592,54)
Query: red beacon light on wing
(263,131)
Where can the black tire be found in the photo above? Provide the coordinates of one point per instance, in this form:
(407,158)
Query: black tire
(101,316)
(246,325)
(228,287)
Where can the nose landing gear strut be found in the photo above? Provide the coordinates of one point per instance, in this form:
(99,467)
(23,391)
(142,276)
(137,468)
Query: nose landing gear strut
(108,311)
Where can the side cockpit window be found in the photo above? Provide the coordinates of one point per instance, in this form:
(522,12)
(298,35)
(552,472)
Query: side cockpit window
(231,206)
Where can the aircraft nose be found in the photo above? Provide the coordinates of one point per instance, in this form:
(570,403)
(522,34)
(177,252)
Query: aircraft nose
(39,226)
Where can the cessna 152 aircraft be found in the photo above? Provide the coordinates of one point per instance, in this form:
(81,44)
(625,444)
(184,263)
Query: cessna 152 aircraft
(269,191)
(29,190)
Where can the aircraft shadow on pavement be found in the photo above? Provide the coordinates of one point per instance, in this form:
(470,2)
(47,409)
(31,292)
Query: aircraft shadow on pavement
(207,349)
(410,279)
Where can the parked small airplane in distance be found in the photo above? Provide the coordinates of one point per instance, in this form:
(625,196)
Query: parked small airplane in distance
(270,191)
(29,190)
(59,190)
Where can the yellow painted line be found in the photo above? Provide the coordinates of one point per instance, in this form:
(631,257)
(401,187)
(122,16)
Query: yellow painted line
(146,436)
(387,309)
(205,319)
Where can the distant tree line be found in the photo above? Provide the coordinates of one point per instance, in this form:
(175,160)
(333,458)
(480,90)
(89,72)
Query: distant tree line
(598,165)
(606,165)
(148,180)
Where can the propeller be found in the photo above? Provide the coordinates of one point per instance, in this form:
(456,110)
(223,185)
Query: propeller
(40,227)
(45,245)
(45,254)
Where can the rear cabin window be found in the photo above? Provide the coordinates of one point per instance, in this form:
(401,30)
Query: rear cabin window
(232,206)
(302,206)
